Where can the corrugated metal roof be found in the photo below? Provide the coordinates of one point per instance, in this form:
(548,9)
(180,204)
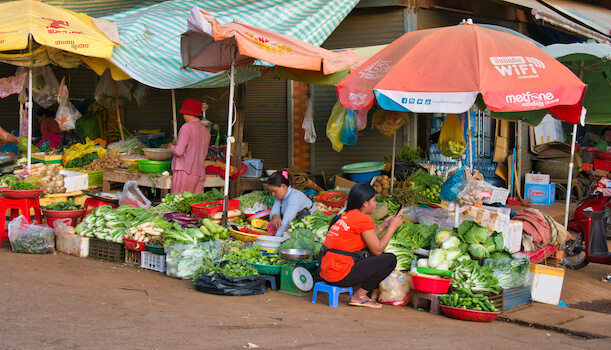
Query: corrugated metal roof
(587,20)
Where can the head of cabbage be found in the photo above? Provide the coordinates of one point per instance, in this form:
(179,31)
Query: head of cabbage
(442,236)
(478,250)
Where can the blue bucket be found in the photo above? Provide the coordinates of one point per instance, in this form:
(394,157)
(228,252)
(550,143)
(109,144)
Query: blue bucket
(365,177)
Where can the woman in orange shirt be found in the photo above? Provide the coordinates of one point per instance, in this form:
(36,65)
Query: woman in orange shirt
(344,261)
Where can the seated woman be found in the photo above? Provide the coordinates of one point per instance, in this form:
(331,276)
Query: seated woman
(605,139)
(290,203)
(343,263)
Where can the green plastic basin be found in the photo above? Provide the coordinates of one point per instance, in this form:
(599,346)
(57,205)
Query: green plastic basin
(363,167)
(153,166)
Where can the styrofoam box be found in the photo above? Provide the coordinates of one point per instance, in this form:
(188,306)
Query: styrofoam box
(75,181)
(512,236)
(542,179)
(546,283)
(493,220)
(549,130)
(73,245)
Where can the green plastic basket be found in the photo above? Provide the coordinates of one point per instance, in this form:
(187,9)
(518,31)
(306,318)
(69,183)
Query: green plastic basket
(267,269)
(155,249)
(153,166)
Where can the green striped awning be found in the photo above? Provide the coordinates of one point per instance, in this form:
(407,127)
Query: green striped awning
(150,36)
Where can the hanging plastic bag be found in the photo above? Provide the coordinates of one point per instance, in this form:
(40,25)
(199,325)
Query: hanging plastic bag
(308,123)
(349,134)
(394,289)
(451,138)
(361,119)
(30,238)
(45,87)
(106,95)
(334,126)
(12,85)
(141,92)
(453,185)
(66,115)
(132,196)
(388,122)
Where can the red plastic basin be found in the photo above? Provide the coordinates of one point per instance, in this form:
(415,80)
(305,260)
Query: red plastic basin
(430,284)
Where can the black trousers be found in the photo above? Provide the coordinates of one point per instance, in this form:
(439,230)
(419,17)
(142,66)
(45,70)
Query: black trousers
(369,272)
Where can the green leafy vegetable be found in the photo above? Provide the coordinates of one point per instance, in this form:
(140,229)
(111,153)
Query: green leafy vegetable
(511,273)
(468,274)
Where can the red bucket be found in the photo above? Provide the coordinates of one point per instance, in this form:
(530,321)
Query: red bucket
(435,285)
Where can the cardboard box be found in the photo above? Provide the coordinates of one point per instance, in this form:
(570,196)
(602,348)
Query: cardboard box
(504,127)
(549,130)
(542,179)
(540,194)
(342,181)
(546,283)
(75,181)
(501,149)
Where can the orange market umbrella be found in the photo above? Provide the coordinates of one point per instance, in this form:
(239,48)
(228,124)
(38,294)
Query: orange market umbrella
(213,47)
(443,70)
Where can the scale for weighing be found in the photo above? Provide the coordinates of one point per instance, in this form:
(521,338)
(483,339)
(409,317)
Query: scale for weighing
(295,279)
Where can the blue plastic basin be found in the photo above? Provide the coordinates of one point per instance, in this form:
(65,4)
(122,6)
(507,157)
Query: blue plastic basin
(365,177)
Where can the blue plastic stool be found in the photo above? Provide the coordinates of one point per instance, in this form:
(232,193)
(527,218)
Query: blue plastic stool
(333,292)
(272,282)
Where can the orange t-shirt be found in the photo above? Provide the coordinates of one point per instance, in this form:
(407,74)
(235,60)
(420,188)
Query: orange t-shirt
(344,235)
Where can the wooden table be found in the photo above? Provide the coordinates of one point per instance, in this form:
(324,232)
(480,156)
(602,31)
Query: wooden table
(162,182)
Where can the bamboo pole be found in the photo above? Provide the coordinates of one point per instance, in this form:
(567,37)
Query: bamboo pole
(114,84)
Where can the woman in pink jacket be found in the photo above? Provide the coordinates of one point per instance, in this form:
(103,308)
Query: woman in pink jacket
(190,150)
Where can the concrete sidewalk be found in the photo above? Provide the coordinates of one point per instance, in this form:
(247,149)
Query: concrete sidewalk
(587,324)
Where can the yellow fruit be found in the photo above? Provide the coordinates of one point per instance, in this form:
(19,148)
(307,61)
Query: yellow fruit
(258,223)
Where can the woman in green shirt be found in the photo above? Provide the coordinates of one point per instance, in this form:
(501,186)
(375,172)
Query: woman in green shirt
(605,139)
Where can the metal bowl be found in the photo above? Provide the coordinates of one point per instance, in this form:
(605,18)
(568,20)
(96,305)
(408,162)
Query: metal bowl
(294,254)
(157,153)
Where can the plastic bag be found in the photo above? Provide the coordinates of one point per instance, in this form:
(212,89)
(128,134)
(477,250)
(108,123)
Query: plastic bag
(451,138)
(349,134)
(141,92)
(66,115)
(106,95)
(453,185)
(388,122)
(394,289)
(132,196)
(308,123)
(220,284)
(470,193)
(511,273)
(334,126)
(30,238)
(184,260)
(12,85)
(45,87)
(361,119)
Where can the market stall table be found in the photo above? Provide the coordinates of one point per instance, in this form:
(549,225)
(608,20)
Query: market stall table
(162,182)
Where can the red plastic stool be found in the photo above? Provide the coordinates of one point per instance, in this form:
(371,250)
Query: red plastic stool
(24,205)
(92,202)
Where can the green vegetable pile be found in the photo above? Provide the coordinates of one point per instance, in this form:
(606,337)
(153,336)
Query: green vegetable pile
(302,238)
(186,261)
(248,200)
(177,202)
(254,255)
(480,244)
(468,274)
(82,161)
(463,298)
(318,223)
(22,186)
(408,237)
(33,244)
(511,273)
(229,268)
(209,231)
(110,224)
(8,180)
(63,206)
(22,145)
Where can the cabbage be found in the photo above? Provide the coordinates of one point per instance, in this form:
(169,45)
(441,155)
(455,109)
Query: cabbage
(463,247)
(451,242)
(490,245)
(423,262)
(499,241)
(463,257)
(479,251)
(453,253)
(477,234)
(436,257)
(442,236)
(444,265)
(500,255)
(511,273)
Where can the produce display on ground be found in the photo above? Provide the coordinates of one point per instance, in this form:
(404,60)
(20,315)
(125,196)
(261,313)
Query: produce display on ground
(465,299)
(63,206)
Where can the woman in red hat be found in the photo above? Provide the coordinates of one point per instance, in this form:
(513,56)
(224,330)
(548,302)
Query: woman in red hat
(190,150)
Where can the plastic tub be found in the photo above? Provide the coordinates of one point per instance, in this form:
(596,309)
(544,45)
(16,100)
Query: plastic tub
(430,284)
(255,167)
(365,177)
(153,166)
(270,244)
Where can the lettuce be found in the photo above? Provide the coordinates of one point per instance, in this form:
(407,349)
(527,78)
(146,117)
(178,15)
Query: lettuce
(479,251)
(490,245)
(476,234)
(442,236)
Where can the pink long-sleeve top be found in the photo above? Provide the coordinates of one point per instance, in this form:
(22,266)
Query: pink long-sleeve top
(191,148)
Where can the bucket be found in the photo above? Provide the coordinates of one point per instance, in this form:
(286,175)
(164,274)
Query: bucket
(255,167)
(269,244)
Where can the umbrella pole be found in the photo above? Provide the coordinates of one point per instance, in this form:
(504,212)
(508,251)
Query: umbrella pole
(229,141)
(174,122)
(114,84)
(570,179)
(29,106)
(392,167)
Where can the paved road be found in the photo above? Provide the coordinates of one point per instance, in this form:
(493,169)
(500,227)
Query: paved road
(64,302)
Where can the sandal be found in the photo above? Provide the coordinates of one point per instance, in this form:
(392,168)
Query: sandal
(606,278)
(366,303)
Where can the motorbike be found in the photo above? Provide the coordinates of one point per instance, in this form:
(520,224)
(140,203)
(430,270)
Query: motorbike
(588,241)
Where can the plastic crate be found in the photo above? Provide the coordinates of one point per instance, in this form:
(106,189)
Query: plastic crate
(47,159)
(200,210)
(514,297)
(132,257)
(150,261)
(231,204)
(108,251)
(602,164)
(499,194)
(132,244)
